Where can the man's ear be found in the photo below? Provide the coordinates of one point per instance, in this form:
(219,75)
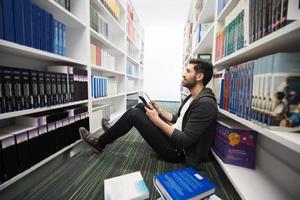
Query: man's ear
(199,76)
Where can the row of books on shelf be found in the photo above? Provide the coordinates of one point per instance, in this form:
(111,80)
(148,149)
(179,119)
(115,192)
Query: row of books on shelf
(184,183)
(102,57)
(98,23)
(268,16)
(22,89)
(113,7)
(235,144)
(32,138)
(65,4)
(265,90)
(131,69)
(104,86)
(25,23)
(231,38)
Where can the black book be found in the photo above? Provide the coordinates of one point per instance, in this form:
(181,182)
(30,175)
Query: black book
(265,18)
(54,88)
(42,89)
(81,72)
(68,6)
(34,89)
(47,82)
(26,94)
(2,102)
(64,91)
(23,151)
(17,89)
(278,14)
(71,88)
(8,95)
(59,88)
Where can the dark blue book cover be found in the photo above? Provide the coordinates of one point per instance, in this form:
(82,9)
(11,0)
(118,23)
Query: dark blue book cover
(60,38)
(19,21)
(185,183)
(1,22)
(28,22)
(43,23)
(63,39)
(8,20)
(36,26)
(50,32)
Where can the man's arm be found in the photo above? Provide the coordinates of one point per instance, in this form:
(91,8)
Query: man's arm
(165,127)
(168,116)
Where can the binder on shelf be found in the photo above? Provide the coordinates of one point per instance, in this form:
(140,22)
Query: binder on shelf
(9,155)
(1,26)
(19,21)
(55,36)
(43,38)
(64,87)
(50,32)
(8,87)
(48,89)
(17,89)
(23,150)
(8,20)
(36,26)
(26,93)
(59,88)
(27,6)
(42,89)
(54,89)
(34,89)
(71,87)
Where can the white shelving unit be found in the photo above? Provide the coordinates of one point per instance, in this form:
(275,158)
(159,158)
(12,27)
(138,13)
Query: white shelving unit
(79,36)
(276,173)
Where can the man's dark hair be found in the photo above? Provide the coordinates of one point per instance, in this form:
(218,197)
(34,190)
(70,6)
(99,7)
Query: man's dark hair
(204,67)
(280,95)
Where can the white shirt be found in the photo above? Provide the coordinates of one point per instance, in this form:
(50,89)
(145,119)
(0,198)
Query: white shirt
(178,124)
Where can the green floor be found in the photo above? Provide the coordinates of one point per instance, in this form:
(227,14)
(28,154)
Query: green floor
(81,173)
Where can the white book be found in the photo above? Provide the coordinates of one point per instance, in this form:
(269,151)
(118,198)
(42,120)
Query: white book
(125,187)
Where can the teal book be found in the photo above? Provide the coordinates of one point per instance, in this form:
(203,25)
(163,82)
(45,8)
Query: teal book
(185,183)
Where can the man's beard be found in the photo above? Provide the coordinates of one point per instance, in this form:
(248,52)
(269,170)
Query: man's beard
(189,83)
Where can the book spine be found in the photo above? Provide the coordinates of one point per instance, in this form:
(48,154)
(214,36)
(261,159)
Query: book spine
(60,39)
(54,89)
(284,12)
(63,39)
(50,33)
(64,88)
(43,26)
(26,89)
(2,102)
(17,90)
(1,22)
(59,88)
(48,87)
(27,5)
(42,95)
(55,37)
(34,89)
(19,21)
(8,20)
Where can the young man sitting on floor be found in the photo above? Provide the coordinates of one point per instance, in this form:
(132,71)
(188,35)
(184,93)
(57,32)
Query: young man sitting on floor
(189,139)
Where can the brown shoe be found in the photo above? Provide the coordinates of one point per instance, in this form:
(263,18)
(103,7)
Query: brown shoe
(90,140)
(105,124)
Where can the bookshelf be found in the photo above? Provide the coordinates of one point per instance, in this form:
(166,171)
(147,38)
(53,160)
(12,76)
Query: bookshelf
(277,148)
(119,49)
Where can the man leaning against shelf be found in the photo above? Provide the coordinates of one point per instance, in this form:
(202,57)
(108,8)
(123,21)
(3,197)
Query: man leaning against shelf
(188,139)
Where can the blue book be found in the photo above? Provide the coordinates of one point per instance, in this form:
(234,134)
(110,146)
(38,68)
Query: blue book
(27,6)
(19,22)
(60,38)
(36,26)
(8,20)
(63,39)
(55,36)
(1,22)
(185,183)
(43,38)
(50,32)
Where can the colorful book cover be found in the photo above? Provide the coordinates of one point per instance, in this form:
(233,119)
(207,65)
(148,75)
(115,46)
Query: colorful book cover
(185,183)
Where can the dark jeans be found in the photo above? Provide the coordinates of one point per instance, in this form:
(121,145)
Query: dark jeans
(136,117)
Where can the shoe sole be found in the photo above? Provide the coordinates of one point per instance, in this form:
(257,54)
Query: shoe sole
(93,148)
